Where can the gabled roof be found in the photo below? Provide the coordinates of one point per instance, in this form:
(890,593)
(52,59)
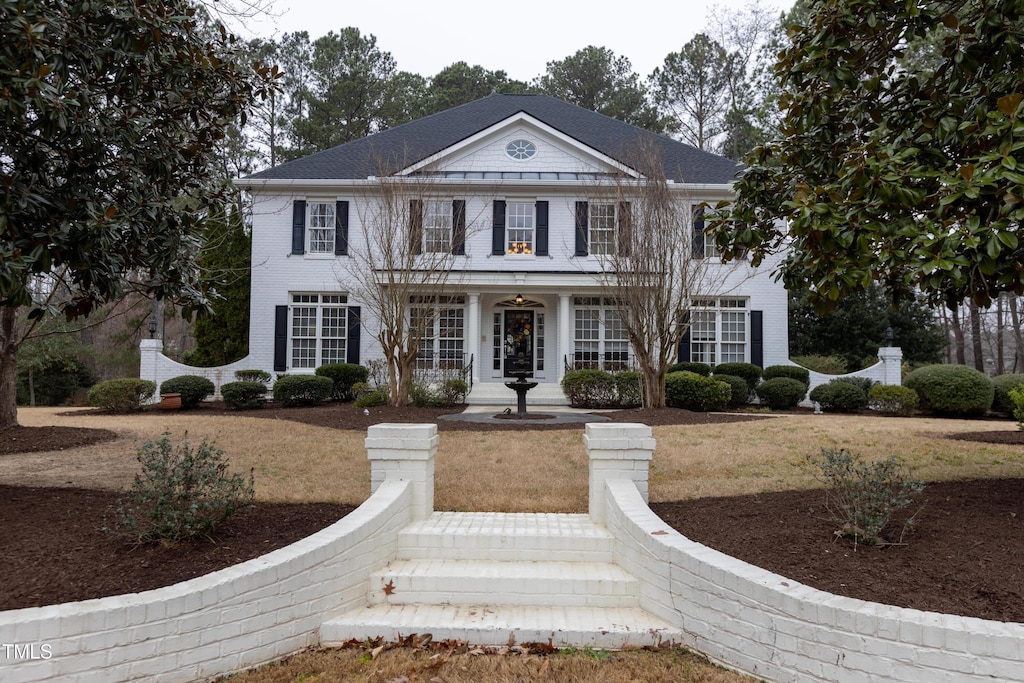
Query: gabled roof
(411,142)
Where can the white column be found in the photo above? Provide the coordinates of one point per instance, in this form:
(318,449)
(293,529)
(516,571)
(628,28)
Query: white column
(404,452)
(564,333)
(150,351)
(892,364)
(473,335)
(616,451)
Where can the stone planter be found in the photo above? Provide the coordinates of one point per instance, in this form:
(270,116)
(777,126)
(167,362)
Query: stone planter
(170,401)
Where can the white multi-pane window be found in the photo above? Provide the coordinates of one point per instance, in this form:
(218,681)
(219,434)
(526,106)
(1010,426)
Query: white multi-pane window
(437,227)
(602,229)
(443,325)
(718,331)
(600,340)
(319,329)
(321,227)
(519,224)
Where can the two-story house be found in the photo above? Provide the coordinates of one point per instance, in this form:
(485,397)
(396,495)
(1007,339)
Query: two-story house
(506,186)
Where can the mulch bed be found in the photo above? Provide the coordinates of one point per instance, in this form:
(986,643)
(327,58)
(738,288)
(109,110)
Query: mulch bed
(965,555)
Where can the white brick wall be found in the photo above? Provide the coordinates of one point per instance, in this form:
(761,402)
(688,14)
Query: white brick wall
(222,622)
(774,628)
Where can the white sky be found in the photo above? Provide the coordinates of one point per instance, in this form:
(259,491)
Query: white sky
(518,37)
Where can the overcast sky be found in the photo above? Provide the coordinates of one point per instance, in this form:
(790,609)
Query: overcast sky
(518,37)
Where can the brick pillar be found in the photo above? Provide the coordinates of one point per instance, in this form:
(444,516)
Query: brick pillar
(404,452)
(616,451)
(150,351)
(892,364)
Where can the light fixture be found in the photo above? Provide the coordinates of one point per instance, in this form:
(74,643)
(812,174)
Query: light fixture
(152,327)
(519,299)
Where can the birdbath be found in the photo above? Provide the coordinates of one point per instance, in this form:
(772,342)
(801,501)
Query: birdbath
(520,386)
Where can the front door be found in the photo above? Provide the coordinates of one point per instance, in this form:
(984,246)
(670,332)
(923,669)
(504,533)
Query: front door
(518,344)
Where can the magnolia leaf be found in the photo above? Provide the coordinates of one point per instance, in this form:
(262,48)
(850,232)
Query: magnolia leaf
(967,171)
(1009,103)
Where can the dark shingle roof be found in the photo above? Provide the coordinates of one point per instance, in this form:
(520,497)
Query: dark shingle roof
(411,142)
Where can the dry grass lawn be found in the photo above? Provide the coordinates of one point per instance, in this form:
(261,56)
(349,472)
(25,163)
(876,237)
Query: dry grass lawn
(525,470)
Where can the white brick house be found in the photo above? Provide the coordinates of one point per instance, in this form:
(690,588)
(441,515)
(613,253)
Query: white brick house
(511,176)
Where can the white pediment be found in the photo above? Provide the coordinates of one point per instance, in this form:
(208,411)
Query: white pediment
(519,144)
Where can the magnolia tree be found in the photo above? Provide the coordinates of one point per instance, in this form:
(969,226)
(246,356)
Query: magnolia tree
(653,265)
(409,241)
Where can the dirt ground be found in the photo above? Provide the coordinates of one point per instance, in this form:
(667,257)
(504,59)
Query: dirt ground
(965,555)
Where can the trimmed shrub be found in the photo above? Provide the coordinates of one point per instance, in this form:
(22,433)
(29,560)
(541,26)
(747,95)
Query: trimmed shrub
(344,376)
(589,388)
(792,371)
(300,390)
(952,390)
(838,396)
(695,392)
(738,385)
(450,392)
(702,369)
(629,387)
(122,395)
(253,376)
(1017,397)
(863,383)
(781,393)
(889,399)
(826,365)
(368,397)
(193,389)
(244,395)
(1002,384)
(748,371)
(182,493)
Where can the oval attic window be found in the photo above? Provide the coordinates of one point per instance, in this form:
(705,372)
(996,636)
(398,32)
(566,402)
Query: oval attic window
(520,149)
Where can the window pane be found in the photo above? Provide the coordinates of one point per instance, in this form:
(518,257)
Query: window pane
(602,228)
(321,228)
(437,226)
(519,227)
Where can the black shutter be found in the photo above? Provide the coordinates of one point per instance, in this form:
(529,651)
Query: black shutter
(299,226)
(757,338)
(498,229)
(625,229)
(354,326)
(541,247)
(684,341)
(280,338)
(698,232)
(341,228)
(415,226)
(582,215)
(459,227)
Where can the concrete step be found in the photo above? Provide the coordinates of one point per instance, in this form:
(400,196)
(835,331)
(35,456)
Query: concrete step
(497,394)
(511,537)
(487,582)
(608,628)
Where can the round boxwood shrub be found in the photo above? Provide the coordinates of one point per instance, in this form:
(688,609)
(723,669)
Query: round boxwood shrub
(368,397)
(841,397)
(781,393)
(952,390)
(589,388)
(864,383)
(748,371)
(629,389)
(792,371)
(300,390)
(244,395)
(891,399)
(1002,384)
(696,392)
(261,376)
(345,376)
(702,369)
(738,386)
(193,389)
(122,395)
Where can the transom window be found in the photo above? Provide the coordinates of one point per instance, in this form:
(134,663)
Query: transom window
(718,331)
(520,150)
(519,225)
(437,227)
(442,345)
(321,227)
(319,329)
(602,228)
(600,336)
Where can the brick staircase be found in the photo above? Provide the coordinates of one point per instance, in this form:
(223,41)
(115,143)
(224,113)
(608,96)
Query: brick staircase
(485,577)
(493,578)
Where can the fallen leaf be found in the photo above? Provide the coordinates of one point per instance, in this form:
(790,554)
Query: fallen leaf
(389,587)
(659,533)
(544,667)
(376,651)
(476,651)
(511,639)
